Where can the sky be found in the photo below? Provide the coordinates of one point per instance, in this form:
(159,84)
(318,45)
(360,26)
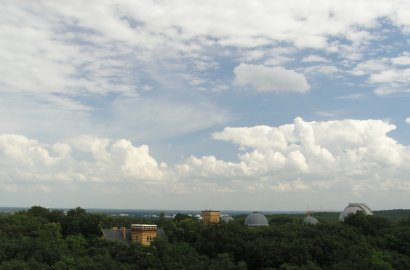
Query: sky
(240,105)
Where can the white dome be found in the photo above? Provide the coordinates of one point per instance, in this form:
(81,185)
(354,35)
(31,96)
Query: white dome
(226,218)
(310,220)
(256,219)
(352,208)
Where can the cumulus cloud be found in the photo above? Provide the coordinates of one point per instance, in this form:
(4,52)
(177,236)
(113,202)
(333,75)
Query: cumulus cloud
(265,79)
(322,155)
(407,120)
(26,163)
(353,155)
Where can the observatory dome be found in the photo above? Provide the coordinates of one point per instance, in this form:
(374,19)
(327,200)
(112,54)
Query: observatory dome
(352,208)
(227,218)
(310,220)
(256,219)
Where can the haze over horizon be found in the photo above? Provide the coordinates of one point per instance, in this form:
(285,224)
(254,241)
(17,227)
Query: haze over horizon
(251,105)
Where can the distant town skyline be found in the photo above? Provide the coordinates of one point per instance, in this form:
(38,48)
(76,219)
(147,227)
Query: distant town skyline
(250,105)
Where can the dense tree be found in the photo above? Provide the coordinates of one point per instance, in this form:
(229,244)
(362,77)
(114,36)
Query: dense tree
(78,221)
(40,238)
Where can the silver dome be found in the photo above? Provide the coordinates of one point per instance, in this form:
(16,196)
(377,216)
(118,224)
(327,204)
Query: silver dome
(227,218)
(352,208)
(310,220)
(256,219)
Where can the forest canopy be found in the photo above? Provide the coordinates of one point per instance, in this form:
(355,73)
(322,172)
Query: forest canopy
(41,238)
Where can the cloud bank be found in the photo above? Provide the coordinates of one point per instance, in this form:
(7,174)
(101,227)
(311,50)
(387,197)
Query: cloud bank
(350,155)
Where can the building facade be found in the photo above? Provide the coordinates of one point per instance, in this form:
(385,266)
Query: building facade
(139,233)
(209,216)
(143,233)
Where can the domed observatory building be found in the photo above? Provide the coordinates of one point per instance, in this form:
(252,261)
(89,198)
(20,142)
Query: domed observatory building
(226,218)
(256,219)
(352,208)
(310,221)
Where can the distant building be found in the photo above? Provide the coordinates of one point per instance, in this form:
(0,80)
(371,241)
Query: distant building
(256,219)
(310,221)
(209,216)
(139,233)
(143,233)
(353,208)
(227,218)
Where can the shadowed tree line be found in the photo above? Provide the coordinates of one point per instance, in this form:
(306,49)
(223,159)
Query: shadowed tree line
(40,238)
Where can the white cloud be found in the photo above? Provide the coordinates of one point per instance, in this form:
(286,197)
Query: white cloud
(408,120)
(369,67)
(265,79)
(402,60)
(386,90)
(26,163)
(71,48)
(387,75)
(330,155)
(391,75)
(314,58)
(354,155)
(70,69)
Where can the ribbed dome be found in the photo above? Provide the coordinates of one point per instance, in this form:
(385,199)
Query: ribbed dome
(226,218)
(310,220)
(352,208)
(256,219)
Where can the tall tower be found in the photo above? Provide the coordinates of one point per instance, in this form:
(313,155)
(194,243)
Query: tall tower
(209,216)
(143,233)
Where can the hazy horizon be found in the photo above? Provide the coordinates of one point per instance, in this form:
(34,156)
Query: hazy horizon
(266,211)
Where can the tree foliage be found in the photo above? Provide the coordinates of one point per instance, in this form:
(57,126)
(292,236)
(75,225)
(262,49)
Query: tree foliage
(40,238)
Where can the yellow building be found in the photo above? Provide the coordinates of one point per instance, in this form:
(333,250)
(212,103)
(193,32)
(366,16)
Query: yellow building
(143,233)
(209,216)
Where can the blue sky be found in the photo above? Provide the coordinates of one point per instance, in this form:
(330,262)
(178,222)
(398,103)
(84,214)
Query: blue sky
(256,105)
